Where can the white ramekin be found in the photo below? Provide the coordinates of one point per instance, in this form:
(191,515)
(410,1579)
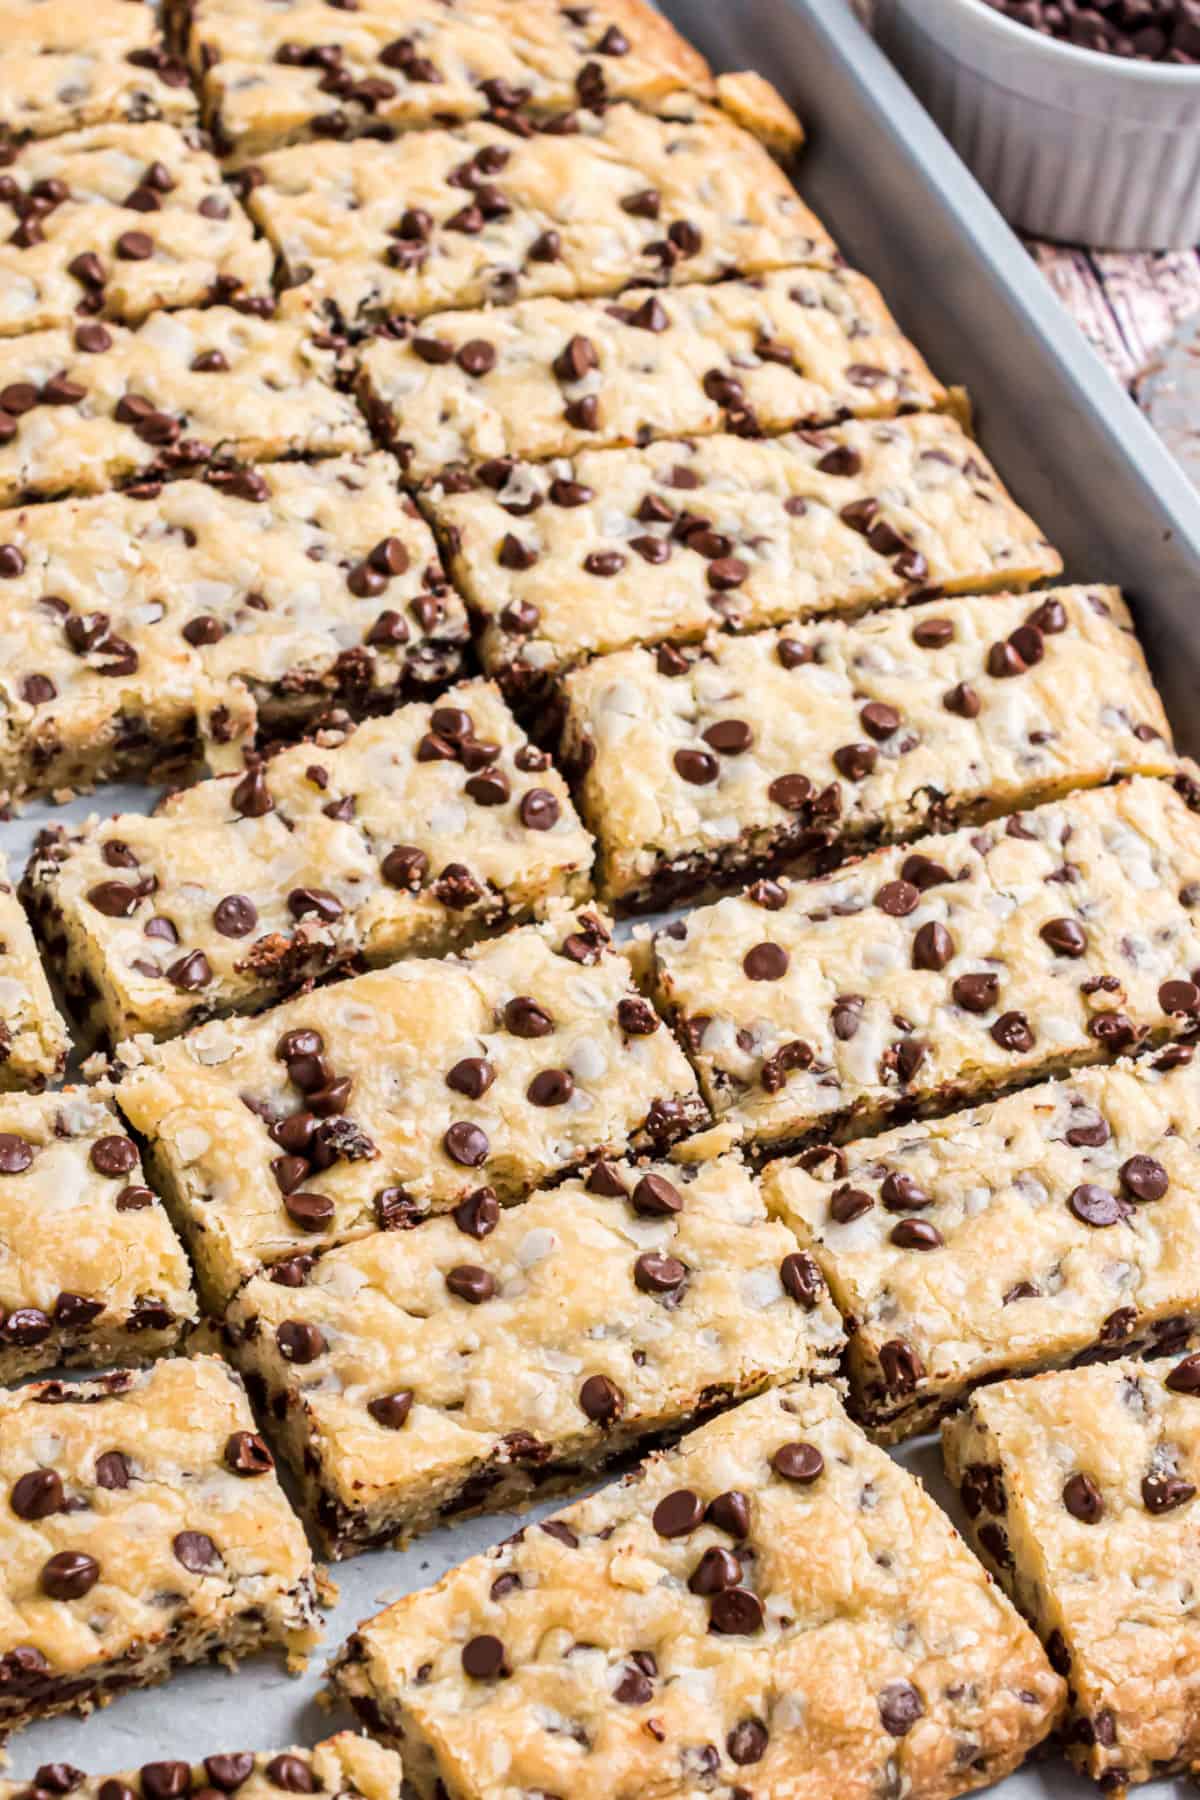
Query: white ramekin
(1070,144)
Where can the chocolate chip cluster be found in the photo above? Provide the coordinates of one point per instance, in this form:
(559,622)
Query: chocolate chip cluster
(1146,30)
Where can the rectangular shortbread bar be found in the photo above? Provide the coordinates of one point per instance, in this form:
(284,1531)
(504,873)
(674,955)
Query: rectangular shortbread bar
(273,75)
(410,834)
(270,594)
(1059,1224)
(579,557)
(924,976)
(478,214)
(702,767)
(773,1608)
(144,1528)
(1080,1490)
(91,1272)
(116,221)
(364,1104)
(34,1045)
(491,1357)
(345,1767)
(65,64)
(552,377)
(89,406)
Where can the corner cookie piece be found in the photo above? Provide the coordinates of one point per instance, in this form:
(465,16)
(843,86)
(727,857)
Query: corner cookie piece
(581,557)
(797,347)
(919,977)
(144,1528)
(479,215)
(65,64)
(115,222)
(92,406)
(698,768)
(408,835)
(271,76)
(345,1767)
(488,1358)
(34,1045)
(257,598)
(91,1272)
(363,1105)
(1060,1224)
(1080,1490)
(773,1605)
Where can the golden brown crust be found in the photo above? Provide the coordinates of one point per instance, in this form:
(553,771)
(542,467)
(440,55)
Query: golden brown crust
(761,109)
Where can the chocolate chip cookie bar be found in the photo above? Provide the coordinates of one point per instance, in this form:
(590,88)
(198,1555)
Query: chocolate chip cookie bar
(345,1767)
(34,1045)
(773,1607)
(363,1105)
(276,75)
(587,555)
(1080,1490)
(552,377)
(89,406)
(924,976)
(253,597)
(144,1528)
(411,834)
(1059,1224)
(116,221)
(491,1357)
(699,767)
(91,1272)
(65,64)
(479,215)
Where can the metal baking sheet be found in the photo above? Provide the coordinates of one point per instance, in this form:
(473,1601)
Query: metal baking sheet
(1079,456)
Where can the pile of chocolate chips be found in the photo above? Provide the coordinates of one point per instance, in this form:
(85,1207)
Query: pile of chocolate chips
(1147,30)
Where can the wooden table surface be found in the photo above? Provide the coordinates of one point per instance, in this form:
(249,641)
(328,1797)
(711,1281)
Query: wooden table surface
(1126,305)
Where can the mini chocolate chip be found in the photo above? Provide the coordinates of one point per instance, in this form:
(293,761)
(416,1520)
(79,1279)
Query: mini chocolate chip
(476,357)
(791,791)
(466,1144)
(134,246)
(489,788)
(524,1018)
(69,1575)
(1185,1376)
(16,1153)
(235,916)
(550,1087)
(1095,1206)
(1083,1499)
(483,1658)
(655,1274)
(736,1613)
(678,1513)
(166,1780)
(933,947)
(798,1462)
(801,1278)
(637,1018)
(190,972)
(855,761)
(251,797)
(246,1454)
(1163,1493)
(1012,1031)
(467,1281)
(391,1410)
(37,1494)
(113,1156)
(730,1512)
(292,1774)
(916,1234)
(655,1197)
(601,1399)
(900,1706)
(848,1204)
(228,1773)
(115,899)
(311,1212)
(113,1470)
(900,1193)
(479,1214)
(1180,998)
(539,810)
(1143,1178)
(898,898)
(770,895)
(405,866)
(747,1742)
(300,1342)
(732,737)
(766,962)
(976,993)
(1064,936)
(472,1076)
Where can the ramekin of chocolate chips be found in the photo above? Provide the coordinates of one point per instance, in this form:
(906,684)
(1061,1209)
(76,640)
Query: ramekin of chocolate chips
(1081,118)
